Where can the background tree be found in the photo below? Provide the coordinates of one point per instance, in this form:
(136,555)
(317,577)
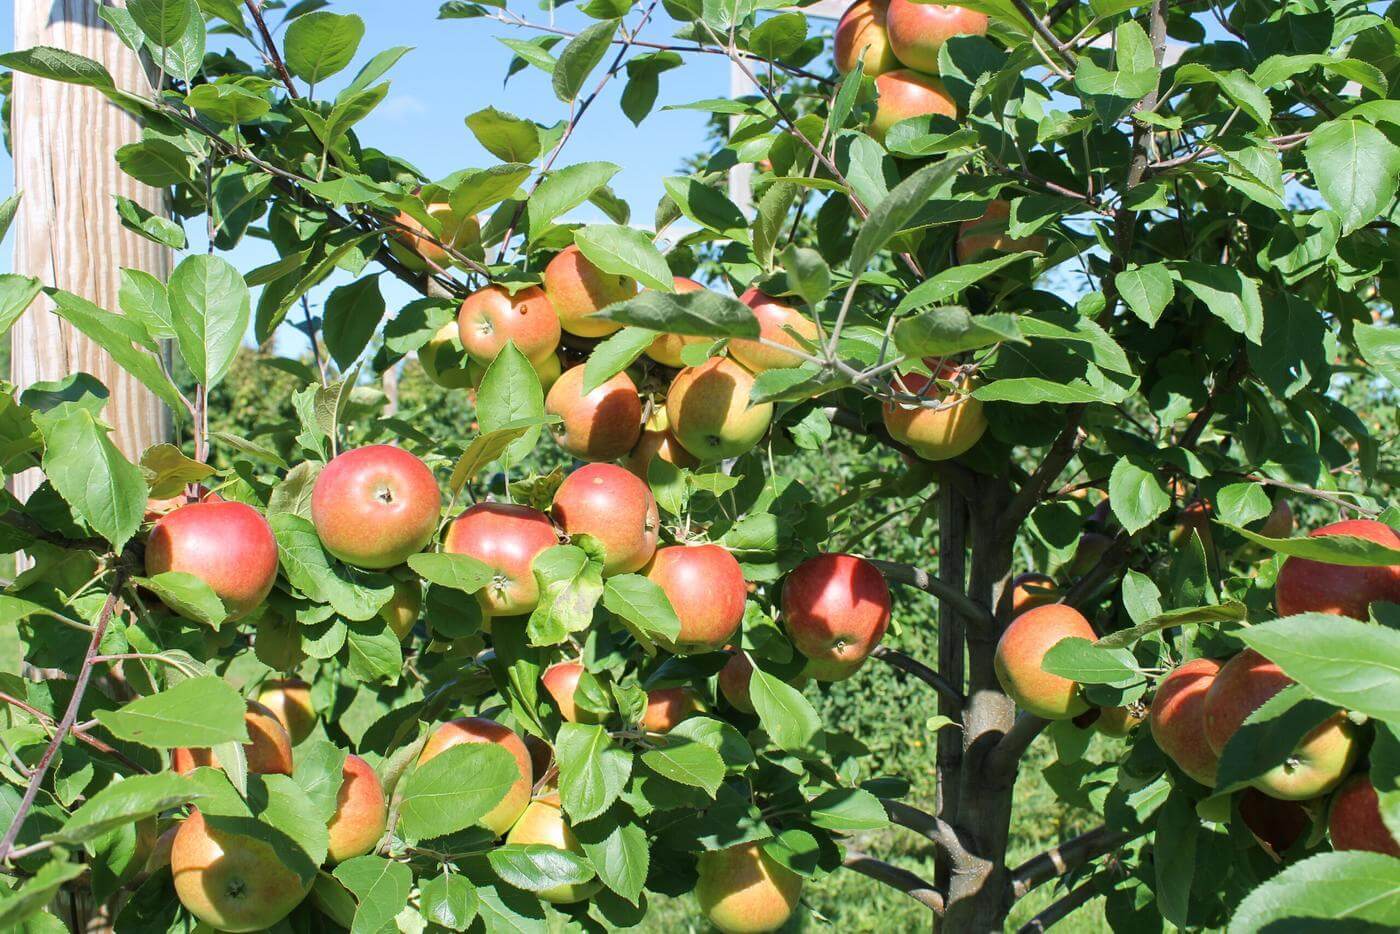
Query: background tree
(968,307)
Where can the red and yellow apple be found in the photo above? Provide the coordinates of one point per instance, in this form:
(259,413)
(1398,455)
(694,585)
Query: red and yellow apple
(375,506)
(492,317)
(743,890)
(987,234)
(577,289)
(667,707)
(711,415)
(777,322)
(227,545)
(361,816)
(401,612)
(289,700)
(416,246)
(666,349)
(561,681)
(657,441)
(1177,718)
(543,823)
(602,425)
(904,94)
(861,36)
(1031,590)
(918,30)
(735,679)
(229,881)
(836,609)
(705,586)
(1021,650)
(506,538)
(481,730)
(948,425)
(615,508)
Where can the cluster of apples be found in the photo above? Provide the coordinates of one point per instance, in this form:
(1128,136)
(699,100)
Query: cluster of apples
(1202,703)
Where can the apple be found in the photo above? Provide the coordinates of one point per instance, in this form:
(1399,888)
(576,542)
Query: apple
(506,538)
(231,882)
(940,433)
(401,612)
(918,30)
(657,441)
(375,506)
(1193,520)
(417,246)
(836,609)
(444,361)
(705,586)
(543,823)
(1354,820)
(1307,586)
(289,700)
(227,545)
(491,317)
(1177,718)
(1279,522)
(1031,590)
(361,816)
(710,412)
(577,289)
(667,707)
(1120,721)
(1087,553)
(861,36)
(666,349)
(777,322)
(1022,648)
(600,426)
(1318,763)
(1277,825)
(548,370)
(987,234)
(618,510)
(268,750)
(561,681)
(904,94)
(742,889)
(734,682)
(481,730)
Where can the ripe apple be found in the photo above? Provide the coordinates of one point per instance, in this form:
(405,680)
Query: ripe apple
(361,816)
(742,889)
(657,441)
(935,434)
(401,612)
(836,609)
(734,680)
(227,545)
(1120,721)
(904,94)
(777,322)
(561,681)
(506,538)
(576,288)
(861,36)
(615,508)
(1021,650)
(1307,586)
(416,247)
(987,234)
(1277,825)
(600,426)
(491,317)
(375,506)
(543,823)
(667,707)
(444,361)
(918,30)
(1319,762)
(481,730)
(710,412)
(1354,820)
(706,588)
(289,700)
(268,750)
(231,882)
(666,349)
(1031,590)
(1177,718)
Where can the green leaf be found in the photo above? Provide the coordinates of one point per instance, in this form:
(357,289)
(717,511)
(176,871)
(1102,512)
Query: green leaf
(848,810)
(354,595)
(455,789)
(156,162)
(687,762)
(807,273)
(619,852)
(448,900)
(571,583)
(142,296)
(700,314)
(1242,503)
(1350,664)
(229,102)
(1356,168)
(209,310)
(1243,92)
(1088,663)
(625,251)
(319,772)
(188,596)
(539,867)
(460,572)
(373,70)
(103,488)
(1329,549)
(163,21)
(504,135)
(275,811)
(1155,620)
(1174,857)
(897,208)
(197,712)
(643,605)
(381,888)
(59,65)
(17,293)
(153,227)
(168,471)
(33,894)
(953,280)
(1146,290)
(1380,346)
(125,339)
(321,44)
(1136,73)
(942,332)
(779,36)
(510,394)
(352,314)
(563,190)
(124,802)
(490,445)
(707,206)
(1355,890)
(786,715)
(614,355)
(580,56)
(1136,495)
(592,770)
(374,649)
(480,190)
(1229,295)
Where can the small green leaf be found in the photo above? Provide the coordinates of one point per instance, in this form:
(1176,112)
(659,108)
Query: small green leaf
(197,712)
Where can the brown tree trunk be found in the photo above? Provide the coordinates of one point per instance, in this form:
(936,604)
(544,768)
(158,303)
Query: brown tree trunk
(67,233)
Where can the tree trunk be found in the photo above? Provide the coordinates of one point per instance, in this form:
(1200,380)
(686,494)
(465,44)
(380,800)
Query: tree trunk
(67,233)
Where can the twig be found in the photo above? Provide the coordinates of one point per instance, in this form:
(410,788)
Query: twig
(36,531)
(1287,141)
(270,47)
(936,830)
(1064,858)
(902,879)
(1063,908)
(910,665)
(1005,757)
(920,579)
(1061,452)
(1044,31)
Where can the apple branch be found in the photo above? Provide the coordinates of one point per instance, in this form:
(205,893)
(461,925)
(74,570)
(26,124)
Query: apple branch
(1044,31)
(1061,909)
(918,578)
(1005,757)
(936,830)
(912,666)
(70,717)
(902,879)
(1064,858)
(269,48)
(1061,452)
(77,732)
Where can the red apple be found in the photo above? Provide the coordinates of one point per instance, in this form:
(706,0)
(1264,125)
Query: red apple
(861,36)
(577,289)
(904,94)
(836,609)
(491,317)
(416,246)
(1355,819)
(1177,718)
(361,815)
(706,588)
(778,322)
(615,508)
(289,700)
(227,545)
(1277,825)
(507,539)
(987,234)
(375,506)
(918,30)
(561,681)
(734,682)
(1031,590)
(268,750)
(1021,650)
(481,730)
(1307,586)
(602,425)
(667,707)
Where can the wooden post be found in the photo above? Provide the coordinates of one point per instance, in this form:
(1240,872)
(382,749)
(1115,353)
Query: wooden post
(67,233)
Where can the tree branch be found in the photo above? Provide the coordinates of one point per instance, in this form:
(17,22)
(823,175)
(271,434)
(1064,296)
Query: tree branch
(1064,858)
(902,879)
(1061,452)
(77,732)
(28,526)
(70,716)
(1005,757)
(936,830)
(270,47)
(920,579)
(1059,910)
(1044,31)
(910,665)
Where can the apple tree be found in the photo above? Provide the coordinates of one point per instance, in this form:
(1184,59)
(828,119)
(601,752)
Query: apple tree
(1115,280)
